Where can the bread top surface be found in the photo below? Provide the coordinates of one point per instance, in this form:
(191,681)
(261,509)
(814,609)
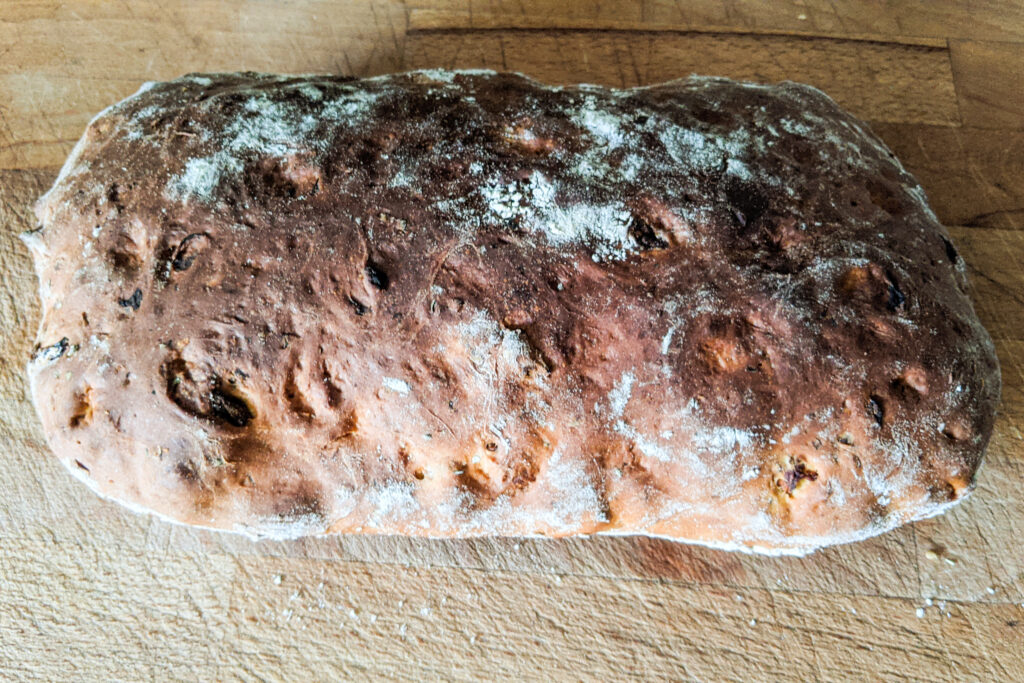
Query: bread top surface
(466,303)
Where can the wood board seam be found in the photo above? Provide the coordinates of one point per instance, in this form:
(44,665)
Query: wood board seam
(976,222)
(424,20)
(957,95)
(936,45)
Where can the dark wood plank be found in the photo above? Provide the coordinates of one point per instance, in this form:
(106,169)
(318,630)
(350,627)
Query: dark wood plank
(972,176)
(995,262)
(989,80)
(868,19)
(1011,360)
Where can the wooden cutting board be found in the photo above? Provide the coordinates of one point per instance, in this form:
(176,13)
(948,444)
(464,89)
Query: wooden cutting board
(89,591)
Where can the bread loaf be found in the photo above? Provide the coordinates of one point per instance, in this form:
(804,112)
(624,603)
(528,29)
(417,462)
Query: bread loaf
(461,304)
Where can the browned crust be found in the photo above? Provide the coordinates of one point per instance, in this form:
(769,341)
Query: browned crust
(465,303)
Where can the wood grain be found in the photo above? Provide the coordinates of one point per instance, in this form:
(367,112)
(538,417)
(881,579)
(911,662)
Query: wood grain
(925,21)
(93,592)
(18,311)
(990,83)
(283,618)
(994,258)
(981,570)
(972,176)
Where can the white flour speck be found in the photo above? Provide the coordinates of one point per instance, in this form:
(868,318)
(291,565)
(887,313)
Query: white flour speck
(269,128)
(203,175)
(666,341)
(396,385)
(619,396)
(602,125)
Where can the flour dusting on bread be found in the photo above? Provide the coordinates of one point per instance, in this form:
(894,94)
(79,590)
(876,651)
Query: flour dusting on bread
(463,303)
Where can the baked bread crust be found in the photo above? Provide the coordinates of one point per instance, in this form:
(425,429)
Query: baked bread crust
(465,303)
